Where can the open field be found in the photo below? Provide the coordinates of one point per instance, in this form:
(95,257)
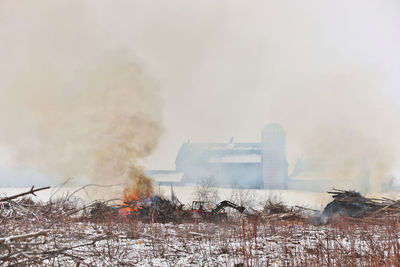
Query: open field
(63,232)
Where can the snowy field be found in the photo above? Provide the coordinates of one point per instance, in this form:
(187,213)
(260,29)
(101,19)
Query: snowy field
(60,233)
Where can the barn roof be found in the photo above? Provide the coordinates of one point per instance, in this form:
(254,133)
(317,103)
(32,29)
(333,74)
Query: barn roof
(165,175)
(220,152)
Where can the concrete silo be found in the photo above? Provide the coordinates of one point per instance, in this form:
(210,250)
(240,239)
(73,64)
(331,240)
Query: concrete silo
(274,162)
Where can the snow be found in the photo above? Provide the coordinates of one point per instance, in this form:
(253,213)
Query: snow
(219,146)
(248,158)
(207,244)
(167,177)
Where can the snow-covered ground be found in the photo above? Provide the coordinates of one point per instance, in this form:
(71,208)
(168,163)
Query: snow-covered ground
(239,243)
(60,233)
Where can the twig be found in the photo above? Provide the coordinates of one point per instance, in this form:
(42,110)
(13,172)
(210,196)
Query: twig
(32,191)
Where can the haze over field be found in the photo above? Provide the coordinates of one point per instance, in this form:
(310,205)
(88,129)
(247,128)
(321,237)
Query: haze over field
(78,77)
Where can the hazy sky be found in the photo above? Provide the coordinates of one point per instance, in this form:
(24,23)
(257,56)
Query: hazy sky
(326,70)
(227,68)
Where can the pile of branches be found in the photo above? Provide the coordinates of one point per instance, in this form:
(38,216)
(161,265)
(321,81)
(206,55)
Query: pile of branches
(352,204)
(279,211)
(271,207)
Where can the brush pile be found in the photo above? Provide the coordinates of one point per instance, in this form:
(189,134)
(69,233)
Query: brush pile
(352,204)
(156,209)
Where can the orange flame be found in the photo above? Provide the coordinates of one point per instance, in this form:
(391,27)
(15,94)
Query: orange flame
(141,188)
(130,201)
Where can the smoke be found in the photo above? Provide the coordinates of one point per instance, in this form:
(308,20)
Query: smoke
(327,71)
(74,102)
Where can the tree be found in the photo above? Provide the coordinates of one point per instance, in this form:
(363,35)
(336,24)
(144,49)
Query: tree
(206,190)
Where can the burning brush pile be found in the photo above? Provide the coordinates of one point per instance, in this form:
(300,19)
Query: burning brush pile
(152,209)
(139,201)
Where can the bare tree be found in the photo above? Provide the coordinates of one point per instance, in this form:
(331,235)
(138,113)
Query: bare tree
(206,190)
(243,197)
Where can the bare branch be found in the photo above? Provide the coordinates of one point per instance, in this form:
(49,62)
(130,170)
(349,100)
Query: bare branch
(31,191)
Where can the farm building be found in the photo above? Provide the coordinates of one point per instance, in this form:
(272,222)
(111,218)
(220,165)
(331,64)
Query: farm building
(248,165)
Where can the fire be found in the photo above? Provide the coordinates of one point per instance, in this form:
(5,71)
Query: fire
(131,201)
(133,196)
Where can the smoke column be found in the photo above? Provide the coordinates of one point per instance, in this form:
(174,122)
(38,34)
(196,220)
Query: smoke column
(74,104)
